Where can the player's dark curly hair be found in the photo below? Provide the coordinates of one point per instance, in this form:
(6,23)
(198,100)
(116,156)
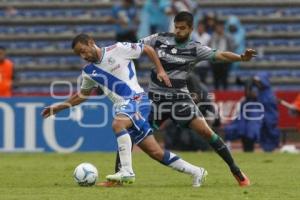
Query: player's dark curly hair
(82,38)
(185,17)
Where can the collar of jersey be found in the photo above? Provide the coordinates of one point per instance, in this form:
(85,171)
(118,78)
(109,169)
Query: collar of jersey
(102,55)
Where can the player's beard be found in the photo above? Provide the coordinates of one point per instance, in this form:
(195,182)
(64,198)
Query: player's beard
(182,39)
(94,58)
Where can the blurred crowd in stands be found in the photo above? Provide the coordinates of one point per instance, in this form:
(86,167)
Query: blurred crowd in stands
(133,23)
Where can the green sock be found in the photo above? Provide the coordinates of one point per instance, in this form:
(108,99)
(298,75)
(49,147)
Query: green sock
(219,146)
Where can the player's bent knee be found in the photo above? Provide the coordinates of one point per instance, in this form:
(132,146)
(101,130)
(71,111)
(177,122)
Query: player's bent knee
(201,127)
(118,126)
(121,123)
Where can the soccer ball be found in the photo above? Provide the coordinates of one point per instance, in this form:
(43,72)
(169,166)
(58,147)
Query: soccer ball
(85,174)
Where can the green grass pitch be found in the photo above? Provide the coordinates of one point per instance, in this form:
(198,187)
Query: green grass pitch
(49,176)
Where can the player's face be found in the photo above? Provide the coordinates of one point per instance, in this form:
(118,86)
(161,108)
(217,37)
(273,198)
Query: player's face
(87,52)
(182,31)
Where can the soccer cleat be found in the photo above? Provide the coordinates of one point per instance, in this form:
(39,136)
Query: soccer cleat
(122,177)
(242,179)
(110,184)
(199,177)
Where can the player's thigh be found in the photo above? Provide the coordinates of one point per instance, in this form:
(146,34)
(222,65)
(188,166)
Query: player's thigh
(121,122)
(200,126)
(184,111)
(160,112)
(150,146)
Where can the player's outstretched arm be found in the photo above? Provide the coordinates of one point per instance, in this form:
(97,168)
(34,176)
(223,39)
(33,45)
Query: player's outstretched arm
(161,74)
(289,106)
(72,101)
(227,56)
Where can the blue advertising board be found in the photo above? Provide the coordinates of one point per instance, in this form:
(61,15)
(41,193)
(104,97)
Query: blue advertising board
(86,127)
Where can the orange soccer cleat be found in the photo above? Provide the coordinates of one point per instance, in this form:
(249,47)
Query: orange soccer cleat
(109,184)
(242,179)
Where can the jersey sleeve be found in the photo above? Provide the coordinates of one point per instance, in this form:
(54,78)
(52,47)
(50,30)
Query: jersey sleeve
(87,83)
(149,40)
(130,50)
(205,53)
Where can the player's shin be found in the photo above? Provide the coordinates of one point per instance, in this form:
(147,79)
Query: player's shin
(220,147)
(172,160)
(124,150)
(118,162)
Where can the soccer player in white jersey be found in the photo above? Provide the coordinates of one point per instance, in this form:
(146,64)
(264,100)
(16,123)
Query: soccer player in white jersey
(113,70)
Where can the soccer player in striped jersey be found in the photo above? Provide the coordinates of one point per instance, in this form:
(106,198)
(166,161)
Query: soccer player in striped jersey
(113,70)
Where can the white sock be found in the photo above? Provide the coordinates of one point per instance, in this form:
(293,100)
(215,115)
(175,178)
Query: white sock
(185,167)
(172,160)
(124,148)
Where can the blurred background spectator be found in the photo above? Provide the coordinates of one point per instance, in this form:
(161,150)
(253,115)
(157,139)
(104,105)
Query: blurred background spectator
(209,21)
(200,35)
(296,111)
(221,42)
(234,29)
(6,74)
(294,108)
(126,20)
(10,11)
(255,123)
(154,17)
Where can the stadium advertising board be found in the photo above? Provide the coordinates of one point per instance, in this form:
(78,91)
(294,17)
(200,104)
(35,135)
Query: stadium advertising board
(83,128)
(229,100)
